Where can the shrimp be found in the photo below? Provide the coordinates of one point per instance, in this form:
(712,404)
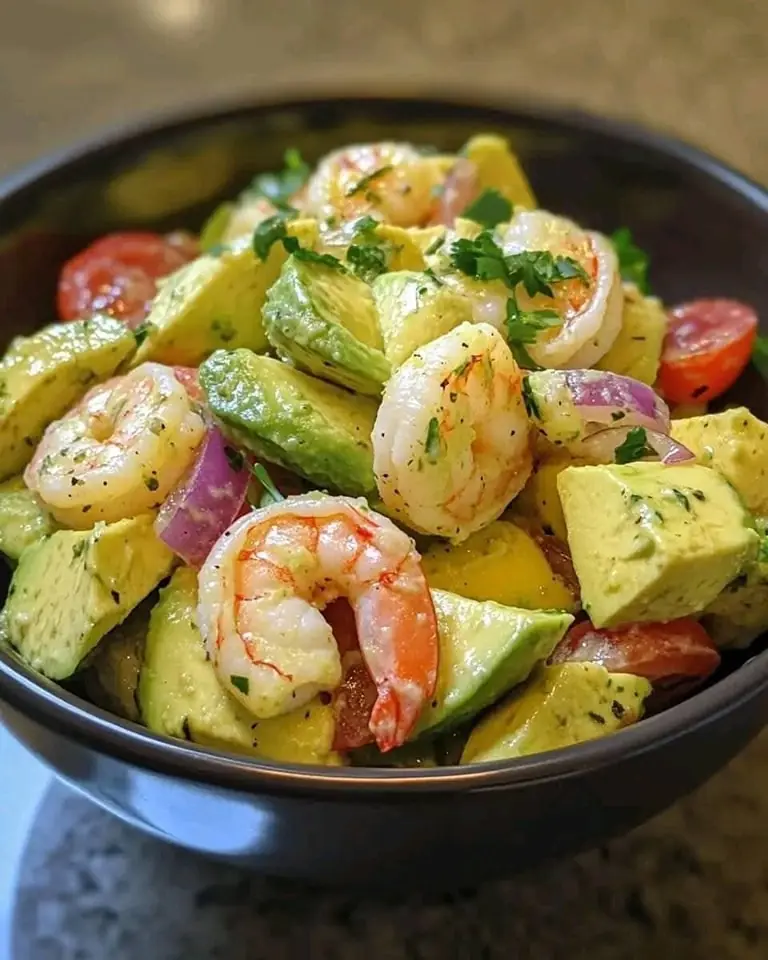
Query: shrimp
(392,182)
(271,573)
(591,312)
(451,437)
(120,451)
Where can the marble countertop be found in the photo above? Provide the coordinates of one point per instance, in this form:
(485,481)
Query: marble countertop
(77,885)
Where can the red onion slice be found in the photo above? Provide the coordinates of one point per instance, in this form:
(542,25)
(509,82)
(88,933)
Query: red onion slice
(568,406)
(206,501)
(601,447)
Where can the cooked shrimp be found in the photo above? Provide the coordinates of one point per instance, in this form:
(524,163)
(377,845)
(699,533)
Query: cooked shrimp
(591,312)
(390,181)
(120,451)
(267,579)
(450,441)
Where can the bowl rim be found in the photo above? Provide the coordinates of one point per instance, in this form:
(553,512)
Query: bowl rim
(58,709)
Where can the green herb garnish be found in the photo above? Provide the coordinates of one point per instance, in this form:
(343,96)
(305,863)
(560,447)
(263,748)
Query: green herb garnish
(142,332)
(489,209)
(530,401)
(634,447)
(633,262)
(240,683)
(432,445)
(280,187)
(364,182)
(429,272)
(523,328)
(434,246)
(270,490)
(364,226)
(367,260)
(760,356)
(267,233)
(293,247)
(151,483)
(681,499)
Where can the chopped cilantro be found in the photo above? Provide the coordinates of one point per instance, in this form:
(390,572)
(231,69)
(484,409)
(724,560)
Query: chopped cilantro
(681,499)
(151,483)
(293,247)
(633,262)
(235,458)
(267,233)
(432,445)
(634,447)
(240,683)
(280,187)
(364,226)
(529,399)
(142,332)
(760,356)
(489,209)
(364,182)
(271,493)
(435,245)
(523,328)
(367,260)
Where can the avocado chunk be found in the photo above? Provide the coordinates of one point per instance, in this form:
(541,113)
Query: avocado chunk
(322,319)
(71,589)
(313,428)
(735,443)
(215,301)
(501,562)
(111,678)
(739,614)
(23,519)
(485,650)
(561,705)
(499,169)
(636,351)
(42,376)
(180,695)
(413,310)
(653,542)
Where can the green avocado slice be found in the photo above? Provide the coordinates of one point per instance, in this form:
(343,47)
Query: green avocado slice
(180,695)
(323,320)
(42,376)
(70,590)
(282,415)
(485,650)
(23,519)
(560,705)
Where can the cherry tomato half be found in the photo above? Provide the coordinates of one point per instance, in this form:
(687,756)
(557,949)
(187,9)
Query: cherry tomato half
(708,345)
(118,274)
(354,699)
(661,652)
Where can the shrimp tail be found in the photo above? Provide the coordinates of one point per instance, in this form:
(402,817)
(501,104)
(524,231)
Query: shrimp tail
(390,724)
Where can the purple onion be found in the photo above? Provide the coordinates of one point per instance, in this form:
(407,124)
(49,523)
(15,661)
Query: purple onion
(206,501)
(601,395)
(601,447)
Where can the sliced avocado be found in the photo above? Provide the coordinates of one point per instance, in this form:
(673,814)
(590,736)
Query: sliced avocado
(560,706)
(499,169)
(501,562)
(653,542)
(215,301)
(23,519)
(301,423)
(111,678)
(413,309)
(739,614)
(636,351)
(71,589)
(180,695)
(735,443)
(540,500)
(323,320)
(42,376)
(485,650)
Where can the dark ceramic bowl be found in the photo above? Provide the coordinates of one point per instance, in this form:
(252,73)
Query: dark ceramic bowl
(707,230)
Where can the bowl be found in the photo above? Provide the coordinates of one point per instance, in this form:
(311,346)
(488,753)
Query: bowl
(707,230)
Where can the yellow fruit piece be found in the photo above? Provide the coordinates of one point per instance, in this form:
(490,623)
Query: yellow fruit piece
(540,499)
(500,562)
(499,169)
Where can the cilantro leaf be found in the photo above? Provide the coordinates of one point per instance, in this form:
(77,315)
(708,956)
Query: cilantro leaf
(489,209)
(267,233)
(143,330)
(367,260)
(365,226)
(633,262)
(280,187)
(364,182)
(481,258)
(306,255)
(240,683)
(759,356)
(271,493)
(435,245)
(432,444)
(530,401)
(523,328)
(634,447)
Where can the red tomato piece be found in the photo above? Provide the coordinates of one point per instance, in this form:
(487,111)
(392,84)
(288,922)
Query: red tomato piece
(187,377)
(118,274)
(708,345)
(661,652)
(354,699)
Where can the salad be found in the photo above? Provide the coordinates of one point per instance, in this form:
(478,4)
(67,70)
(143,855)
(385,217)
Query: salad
(388,466)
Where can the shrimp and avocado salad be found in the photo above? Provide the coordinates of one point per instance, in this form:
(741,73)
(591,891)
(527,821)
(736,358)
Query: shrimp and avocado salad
(389,466)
